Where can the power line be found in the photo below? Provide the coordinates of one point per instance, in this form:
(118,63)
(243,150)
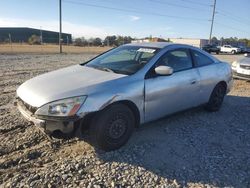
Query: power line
(232,18)
(176,5)
(198,3)
(134,11)
(230,27)
(222,12)
(158,14)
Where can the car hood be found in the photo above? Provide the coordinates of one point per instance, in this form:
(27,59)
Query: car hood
(245,61)
(63,83)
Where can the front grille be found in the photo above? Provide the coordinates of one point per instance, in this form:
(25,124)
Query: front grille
(242,75)
(27,106)
(247,67)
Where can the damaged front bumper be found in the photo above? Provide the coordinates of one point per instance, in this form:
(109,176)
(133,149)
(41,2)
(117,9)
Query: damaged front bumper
(48,124)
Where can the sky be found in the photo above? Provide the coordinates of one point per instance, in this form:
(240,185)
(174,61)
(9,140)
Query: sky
(136,18)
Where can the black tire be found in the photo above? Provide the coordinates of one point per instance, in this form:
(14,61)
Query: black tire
(216,98)
(233,52)
(111,128)
(217,52)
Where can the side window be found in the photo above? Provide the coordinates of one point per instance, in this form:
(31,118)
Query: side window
(201,59)
(145,57)
(178,59)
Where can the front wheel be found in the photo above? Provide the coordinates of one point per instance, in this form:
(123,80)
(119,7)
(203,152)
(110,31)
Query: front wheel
(216,98)
(112,127)
(233,52)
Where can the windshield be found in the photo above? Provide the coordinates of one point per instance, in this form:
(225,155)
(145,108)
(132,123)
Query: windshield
(123,60)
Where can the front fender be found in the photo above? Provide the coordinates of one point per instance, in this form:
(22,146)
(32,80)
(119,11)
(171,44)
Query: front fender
(98,101)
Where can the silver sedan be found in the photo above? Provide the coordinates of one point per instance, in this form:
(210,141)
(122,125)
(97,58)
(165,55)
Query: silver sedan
(241,68)
(123,88)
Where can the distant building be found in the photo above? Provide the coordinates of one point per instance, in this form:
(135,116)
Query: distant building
(154,39)
(190,41)
(193,42)
(22,34)
(140,40)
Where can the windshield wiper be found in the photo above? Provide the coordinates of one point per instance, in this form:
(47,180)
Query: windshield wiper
(106,69)
(102,68)
(110,70)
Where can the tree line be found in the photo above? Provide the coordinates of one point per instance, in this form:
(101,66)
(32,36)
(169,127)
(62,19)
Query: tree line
(231,40)
(108,41)
(114,40)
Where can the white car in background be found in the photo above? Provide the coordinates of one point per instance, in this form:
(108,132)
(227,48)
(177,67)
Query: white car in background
(230,49)
(241,68)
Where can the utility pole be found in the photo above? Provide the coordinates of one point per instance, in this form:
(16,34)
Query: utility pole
(60,25)
(108,41)
(212,23)
(41,35)
(10,41)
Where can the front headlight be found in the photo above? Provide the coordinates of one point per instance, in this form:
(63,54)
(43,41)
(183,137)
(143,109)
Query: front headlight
(234,64)
(64,107)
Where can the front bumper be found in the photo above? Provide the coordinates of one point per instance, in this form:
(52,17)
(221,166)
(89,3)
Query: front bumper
(241,76)
(241,73)
(47,124)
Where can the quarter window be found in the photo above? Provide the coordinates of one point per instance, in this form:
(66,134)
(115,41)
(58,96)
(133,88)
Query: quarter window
(177,59)
(201,59)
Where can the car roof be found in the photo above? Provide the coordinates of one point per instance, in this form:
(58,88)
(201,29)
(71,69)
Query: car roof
(162,45)
(151,44)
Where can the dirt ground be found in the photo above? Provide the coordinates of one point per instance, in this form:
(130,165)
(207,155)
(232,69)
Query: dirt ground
(48,49)
(189,149)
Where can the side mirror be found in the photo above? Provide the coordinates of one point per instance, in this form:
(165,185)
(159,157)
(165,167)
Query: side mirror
(163,70)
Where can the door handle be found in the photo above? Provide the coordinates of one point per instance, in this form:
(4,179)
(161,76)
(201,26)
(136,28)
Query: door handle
(193,81)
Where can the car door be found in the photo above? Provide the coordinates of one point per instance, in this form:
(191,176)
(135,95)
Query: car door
(168,94)
(207,69)
(227,48)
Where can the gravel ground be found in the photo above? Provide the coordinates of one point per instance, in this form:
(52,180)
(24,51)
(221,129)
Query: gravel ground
(190,149)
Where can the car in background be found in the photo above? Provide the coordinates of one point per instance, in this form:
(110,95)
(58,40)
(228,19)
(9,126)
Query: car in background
(245,50)
(211,48)
(123,88)
(230,49)
(241,68)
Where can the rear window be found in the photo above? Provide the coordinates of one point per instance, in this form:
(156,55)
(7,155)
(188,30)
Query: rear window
(201,59)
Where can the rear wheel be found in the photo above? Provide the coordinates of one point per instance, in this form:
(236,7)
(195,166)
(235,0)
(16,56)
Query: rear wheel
(216,98)
(233,52)
(111,128)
